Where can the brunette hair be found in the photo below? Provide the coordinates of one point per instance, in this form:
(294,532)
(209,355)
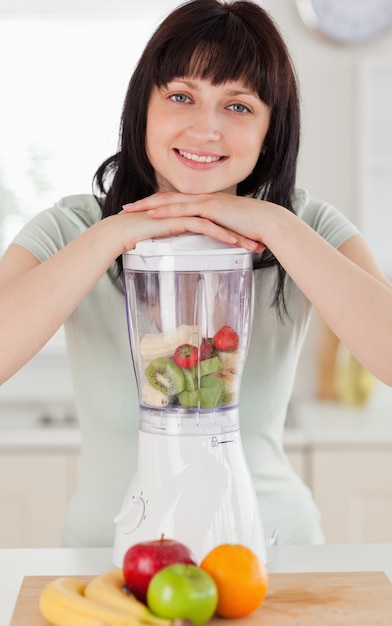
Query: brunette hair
(219,41)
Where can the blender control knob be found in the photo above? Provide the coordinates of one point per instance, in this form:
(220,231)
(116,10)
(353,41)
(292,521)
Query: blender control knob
(132,514)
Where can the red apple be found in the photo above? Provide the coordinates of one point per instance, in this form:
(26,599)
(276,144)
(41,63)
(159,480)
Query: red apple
(144,559)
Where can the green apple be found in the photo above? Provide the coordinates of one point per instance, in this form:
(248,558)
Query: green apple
(182,591)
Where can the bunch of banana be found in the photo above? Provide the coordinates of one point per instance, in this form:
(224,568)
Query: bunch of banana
(155,345)
(69,601)
(107,589)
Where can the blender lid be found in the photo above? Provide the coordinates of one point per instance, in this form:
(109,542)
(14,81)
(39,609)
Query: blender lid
(190,243)
(187,252)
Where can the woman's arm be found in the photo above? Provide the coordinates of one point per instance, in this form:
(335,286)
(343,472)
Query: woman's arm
(346,286)
(36,298)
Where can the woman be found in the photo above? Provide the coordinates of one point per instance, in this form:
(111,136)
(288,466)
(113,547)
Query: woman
(209,142)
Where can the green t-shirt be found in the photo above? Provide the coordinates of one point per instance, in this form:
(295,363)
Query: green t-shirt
(106,395)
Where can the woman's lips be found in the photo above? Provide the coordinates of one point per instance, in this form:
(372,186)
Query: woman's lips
(198,160)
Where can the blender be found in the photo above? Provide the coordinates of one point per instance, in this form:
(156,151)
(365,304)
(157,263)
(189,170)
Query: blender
(189,302)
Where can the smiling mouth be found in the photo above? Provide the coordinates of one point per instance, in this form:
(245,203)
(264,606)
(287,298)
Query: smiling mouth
(199,158)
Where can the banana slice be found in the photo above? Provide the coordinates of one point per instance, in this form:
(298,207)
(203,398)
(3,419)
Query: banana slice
(155,345)
(230,360)
(153,397)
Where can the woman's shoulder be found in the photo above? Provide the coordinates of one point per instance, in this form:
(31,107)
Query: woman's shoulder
(306,207)
(311,209)
(81,208)
(51,229)
(326,219)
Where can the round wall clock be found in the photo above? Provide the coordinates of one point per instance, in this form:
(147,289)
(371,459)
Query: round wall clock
(346,21)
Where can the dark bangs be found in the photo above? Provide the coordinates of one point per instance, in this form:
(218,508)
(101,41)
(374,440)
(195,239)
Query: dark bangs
(221,50)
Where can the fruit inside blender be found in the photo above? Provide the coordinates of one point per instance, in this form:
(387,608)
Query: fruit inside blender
(190,357)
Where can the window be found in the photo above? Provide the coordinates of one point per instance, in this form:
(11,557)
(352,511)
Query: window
(63,83)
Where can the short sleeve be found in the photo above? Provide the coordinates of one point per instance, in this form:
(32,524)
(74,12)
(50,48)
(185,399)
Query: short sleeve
(52,229)
(325,219)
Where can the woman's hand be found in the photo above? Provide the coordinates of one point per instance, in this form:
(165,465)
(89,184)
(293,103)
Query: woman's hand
(228,218)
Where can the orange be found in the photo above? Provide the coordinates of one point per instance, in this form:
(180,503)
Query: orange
(240,576)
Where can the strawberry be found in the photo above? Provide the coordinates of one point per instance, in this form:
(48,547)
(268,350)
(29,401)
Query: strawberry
(226,339)
(186,356)
(206,349)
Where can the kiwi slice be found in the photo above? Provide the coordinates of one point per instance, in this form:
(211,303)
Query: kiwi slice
(225,380)
(206,398)
(163,374)
(208,366)
(227,399)
(210,381)
(189,398)
(209,397)
(190,379)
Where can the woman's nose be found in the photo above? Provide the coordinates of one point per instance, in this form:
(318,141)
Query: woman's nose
(205,126)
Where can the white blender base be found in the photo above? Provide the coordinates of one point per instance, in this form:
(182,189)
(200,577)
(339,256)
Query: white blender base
(194,489)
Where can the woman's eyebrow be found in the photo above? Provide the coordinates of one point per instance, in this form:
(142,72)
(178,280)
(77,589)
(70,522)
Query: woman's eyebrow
(230,92)
(184,81)
(242,92)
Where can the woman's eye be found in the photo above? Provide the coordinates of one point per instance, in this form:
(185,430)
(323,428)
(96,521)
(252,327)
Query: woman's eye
(179,97)
(240,108)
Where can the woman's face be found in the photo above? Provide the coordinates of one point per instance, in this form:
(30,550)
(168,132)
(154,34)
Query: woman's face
(204,138)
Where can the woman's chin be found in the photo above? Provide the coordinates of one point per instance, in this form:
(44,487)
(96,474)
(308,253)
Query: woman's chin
(203,189)
(192,188)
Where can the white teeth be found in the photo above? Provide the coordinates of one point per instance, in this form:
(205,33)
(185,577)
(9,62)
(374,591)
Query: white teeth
(197,158)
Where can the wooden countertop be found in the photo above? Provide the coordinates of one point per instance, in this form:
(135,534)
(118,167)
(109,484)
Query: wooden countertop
(15,564)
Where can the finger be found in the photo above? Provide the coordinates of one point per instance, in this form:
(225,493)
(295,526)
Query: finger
(211,229)
(176,226)
(180,204)
(245,242)
(157,200)
(202,226)
(172,211)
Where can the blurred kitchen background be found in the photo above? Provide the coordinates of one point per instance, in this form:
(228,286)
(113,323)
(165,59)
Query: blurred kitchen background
(65,65)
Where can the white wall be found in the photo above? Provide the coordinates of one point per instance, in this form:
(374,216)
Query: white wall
(329,76)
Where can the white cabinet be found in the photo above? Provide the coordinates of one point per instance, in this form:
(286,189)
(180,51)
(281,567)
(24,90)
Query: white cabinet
(352,486)
(35,488)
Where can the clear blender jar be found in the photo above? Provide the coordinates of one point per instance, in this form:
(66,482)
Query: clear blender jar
(189,303)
